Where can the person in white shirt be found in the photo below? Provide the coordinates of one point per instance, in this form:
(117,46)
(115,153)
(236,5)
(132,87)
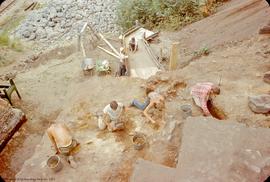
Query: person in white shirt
(122,70)
(113,116)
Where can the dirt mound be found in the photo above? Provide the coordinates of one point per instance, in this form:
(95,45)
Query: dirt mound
(239,20)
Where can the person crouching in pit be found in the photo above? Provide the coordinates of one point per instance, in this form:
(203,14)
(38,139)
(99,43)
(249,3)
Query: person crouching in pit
(63,141)
(113,116)
(202,93)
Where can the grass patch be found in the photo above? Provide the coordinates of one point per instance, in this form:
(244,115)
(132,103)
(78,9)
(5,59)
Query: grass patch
(202,52)
(4,39)
(14,44)
(9,24)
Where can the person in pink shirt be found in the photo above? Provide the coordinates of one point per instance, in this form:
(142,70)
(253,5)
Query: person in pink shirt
(201,93)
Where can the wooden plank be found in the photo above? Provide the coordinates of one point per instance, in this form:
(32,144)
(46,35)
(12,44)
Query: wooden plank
(109,44)
(83,28)
(152,36)
(110,53)
(34,6)
(29,6)
(11,128)
(5,5)
(83,50)
(131,30)
(151,53)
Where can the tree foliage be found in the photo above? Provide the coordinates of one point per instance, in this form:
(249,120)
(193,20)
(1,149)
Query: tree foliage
(166,14)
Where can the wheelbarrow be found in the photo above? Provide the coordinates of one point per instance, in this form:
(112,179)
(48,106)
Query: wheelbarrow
(88,66)
(103,67)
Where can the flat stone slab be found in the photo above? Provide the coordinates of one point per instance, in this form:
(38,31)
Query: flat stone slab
(223,151)
(146,171)
(214,150)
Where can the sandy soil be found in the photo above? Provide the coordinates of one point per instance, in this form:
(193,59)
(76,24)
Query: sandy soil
(55,90)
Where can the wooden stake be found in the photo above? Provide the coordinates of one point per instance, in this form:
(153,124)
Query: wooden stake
(79,42)
(174,56)
(110,53)
(160,55)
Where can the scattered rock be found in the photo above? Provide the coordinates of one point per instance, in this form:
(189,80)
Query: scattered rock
(78,17)
(259,104)
(32,36)
(10,75)
(26,34)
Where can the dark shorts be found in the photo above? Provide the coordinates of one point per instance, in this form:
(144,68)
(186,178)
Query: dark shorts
(140,105)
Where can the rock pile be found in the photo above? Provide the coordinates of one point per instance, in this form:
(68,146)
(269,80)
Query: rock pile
(62,19)
(260,103)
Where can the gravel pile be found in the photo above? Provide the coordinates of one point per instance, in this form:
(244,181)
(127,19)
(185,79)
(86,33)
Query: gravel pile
(61,19)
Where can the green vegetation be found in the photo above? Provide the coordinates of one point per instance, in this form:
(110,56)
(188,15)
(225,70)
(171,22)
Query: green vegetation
(16,45)
(163,14)
(5,41)
(202,52)
(7,26)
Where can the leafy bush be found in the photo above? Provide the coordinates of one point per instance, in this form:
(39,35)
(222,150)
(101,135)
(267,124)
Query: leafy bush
(164,14)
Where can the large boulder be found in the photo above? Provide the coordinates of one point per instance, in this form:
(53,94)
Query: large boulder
(260,103)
